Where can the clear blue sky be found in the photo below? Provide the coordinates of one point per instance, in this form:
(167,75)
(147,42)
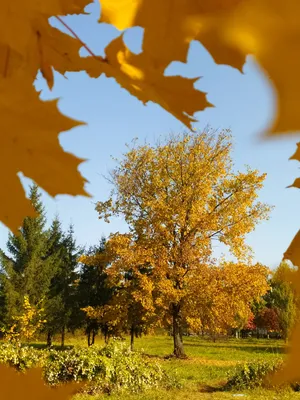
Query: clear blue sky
(243,102)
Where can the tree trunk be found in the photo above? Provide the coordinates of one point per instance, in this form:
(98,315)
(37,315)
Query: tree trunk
(132,338)
(177,333)
(106,337)
(63,331)
(89,338)
(49,339)
(93,336)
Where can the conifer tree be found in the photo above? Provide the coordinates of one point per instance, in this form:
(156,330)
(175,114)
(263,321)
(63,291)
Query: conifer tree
(67,281)
(93,289)
(27,269)
(54,304)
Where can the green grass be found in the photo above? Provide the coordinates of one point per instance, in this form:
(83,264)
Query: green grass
(205,371)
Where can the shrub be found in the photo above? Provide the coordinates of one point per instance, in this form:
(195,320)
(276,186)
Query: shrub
(20,358)
(108,369)
(112,368)
(253,375)
(76,364)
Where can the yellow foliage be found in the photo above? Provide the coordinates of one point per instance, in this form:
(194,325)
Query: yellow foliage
(267,29)
(220,297)
(30,144)
(135,73)
(28,323)
(177,197)
(171,25)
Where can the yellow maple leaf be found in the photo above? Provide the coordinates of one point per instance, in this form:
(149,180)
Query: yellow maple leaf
(171,25)
(291,371)
(296,156)
(53,49)
(20,21)
(16,386)
(293,251)
(134,73)
(30,129)
(29,42)
(270,31)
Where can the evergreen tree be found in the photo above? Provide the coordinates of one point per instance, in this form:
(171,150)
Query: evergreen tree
(27,270)
(138,319)
(62,304)
(54,304)
(93,290)
(68,278)
(2,303)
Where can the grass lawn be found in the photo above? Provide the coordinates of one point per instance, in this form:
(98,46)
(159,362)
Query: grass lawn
(206,368)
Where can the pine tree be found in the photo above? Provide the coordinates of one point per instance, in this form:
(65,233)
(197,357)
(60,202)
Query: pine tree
(64,283)
(139,319)
(27,270)
(69,277)
(54,304)
(94,291)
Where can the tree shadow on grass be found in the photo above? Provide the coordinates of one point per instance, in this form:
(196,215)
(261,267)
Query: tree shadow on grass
(248,349)
(41,346)
(220,387)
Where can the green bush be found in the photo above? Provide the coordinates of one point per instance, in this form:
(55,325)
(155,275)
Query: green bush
(253,375)
(112,368)
(108,369)
(20,358)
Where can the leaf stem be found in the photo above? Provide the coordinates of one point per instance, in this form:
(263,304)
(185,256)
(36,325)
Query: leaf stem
(78,38)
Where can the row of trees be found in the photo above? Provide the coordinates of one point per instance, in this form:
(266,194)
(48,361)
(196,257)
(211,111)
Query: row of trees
(41,266)
(177,198)
(278,310)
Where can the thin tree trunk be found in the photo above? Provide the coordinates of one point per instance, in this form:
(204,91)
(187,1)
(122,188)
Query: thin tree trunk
(177,334)
(49,339)
(106,335)
(63,331)
(132,338)
(89,338)
(93,336)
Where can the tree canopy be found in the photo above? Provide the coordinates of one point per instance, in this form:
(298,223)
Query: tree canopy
(177,197)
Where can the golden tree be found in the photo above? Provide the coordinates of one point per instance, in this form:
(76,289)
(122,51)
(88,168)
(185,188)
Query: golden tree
(27,324)
(231,30)
(220,297)
(177,197)
(132,306)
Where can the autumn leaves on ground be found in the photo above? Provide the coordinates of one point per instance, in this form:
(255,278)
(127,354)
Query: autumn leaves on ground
(178,197)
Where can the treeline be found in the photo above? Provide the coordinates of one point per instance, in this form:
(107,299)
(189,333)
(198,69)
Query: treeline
(42,264)
(78,289)
(178,199)
(278,310)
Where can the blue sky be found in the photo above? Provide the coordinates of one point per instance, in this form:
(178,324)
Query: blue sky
(243,102)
